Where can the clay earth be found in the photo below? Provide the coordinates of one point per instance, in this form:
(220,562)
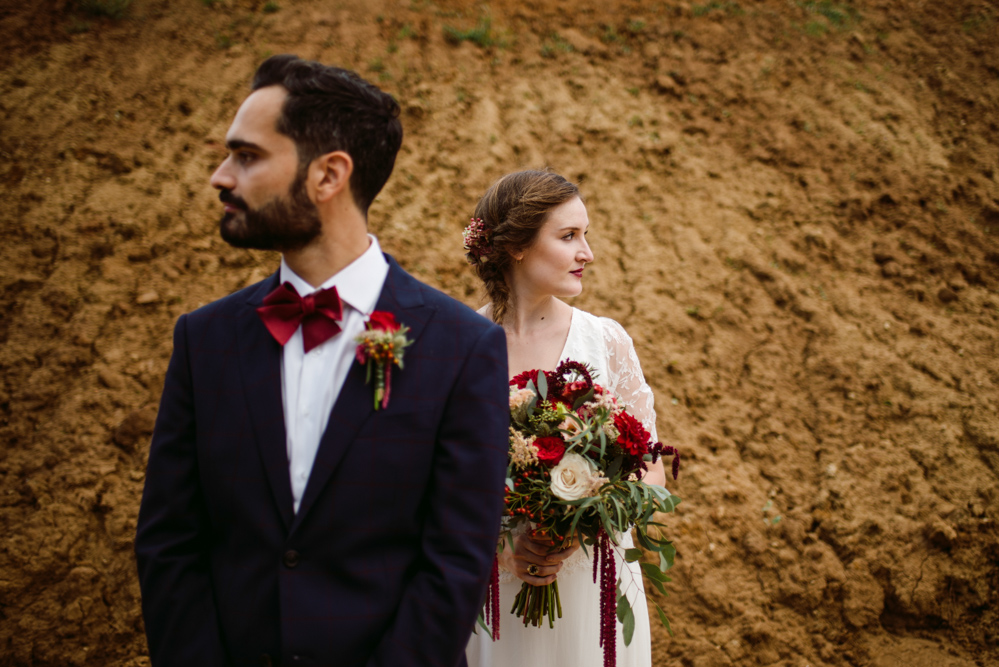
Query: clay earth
(794,209)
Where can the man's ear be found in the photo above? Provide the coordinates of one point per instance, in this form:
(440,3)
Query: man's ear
(331,175)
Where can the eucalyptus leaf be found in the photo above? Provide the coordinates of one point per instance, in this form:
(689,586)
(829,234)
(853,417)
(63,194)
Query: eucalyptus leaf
(631,555)
(482,623)
(615,466)
(583,399)
(629,619)
(663,619)
(542,385)
(653,572)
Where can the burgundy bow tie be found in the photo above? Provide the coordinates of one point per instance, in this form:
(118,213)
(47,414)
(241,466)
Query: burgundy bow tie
(284,310)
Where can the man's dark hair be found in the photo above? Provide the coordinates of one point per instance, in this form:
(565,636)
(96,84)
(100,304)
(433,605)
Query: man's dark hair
(332,109)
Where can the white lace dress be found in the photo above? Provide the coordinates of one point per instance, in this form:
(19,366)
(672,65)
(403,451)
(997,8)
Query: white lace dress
(574,642)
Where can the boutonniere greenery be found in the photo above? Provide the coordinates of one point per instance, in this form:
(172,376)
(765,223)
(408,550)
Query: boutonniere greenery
(379,347)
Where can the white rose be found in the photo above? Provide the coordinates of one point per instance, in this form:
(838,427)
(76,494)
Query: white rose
(574,477)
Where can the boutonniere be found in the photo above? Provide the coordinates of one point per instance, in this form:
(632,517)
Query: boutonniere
(380,346)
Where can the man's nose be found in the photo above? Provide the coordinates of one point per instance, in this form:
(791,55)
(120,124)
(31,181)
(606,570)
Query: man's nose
(222,179)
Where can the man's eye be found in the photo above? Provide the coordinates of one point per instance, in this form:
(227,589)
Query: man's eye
(244,157)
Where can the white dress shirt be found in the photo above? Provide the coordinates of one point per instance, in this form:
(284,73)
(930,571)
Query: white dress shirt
(311,382)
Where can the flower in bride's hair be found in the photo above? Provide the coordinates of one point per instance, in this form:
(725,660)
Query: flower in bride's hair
(523,453)
(477,241)
(575,477)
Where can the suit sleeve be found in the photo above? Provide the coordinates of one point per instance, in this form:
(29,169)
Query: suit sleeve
(171,540)
(464,504)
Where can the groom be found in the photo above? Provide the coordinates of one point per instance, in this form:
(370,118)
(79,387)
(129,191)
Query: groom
(287,519)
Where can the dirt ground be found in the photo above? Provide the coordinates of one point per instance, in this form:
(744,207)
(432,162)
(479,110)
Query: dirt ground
(795,213)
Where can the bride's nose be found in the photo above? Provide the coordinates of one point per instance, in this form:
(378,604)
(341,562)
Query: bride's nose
(585,254)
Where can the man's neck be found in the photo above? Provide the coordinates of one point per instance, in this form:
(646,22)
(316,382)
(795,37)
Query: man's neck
(329,254)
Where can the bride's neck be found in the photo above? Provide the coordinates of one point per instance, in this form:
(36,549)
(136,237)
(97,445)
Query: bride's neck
(524,316)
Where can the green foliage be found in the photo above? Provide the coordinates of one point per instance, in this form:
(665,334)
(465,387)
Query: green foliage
(77,27)
(555,45)
(839,16)
(113,9)
(636,26)
(270,7)
(816,28)
(481,35)
(977,22)
(726,6)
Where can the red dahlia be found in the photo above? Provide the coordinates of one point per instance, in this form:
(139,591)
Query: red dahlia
(633,437)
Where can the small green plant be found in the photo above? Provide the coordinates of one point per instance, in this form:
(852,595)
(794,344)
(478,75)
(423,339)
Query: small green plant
(610,35)
(406,32)
(376,65)
(977,22)
(636,26)
(481,35)
(208,3)
(270,7)
(816,28)
(838,15)
(635,120)
(555,45)
(224,40)
(77,27)
(730,8)
(633,91)
(766,518)
(113,9)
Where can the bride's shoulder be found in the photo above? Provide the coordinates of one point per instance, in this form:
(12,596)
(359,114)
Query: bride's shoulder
(609,326)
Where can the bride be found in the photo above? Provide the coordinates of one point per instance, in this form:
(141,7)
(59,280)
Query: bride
(528,245)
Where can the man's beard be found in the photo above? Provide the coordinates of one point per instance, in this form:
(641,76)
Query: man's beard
(283,224)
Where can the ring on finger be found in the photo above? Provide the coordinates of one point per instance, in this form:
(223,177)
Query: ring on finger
(532,570)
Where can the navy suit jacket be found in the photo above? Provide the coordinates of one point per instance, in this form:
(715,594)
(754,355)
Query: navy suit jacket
(387,560)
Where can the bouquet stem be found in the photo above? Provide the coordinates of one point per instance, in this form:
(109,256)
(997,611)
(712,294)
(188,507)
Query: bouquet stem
(534,603)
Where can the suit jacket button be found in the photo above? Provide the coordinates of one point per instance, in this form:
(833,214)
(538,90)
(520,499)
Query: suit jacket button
(290,559)
(265,660)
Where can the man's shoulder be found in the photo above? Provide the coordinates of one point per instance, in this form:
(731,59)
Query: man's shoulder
(448,309)
(230,305)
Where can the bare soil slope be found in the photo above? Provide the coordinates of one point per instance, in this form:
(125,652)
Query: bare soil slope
(795,213)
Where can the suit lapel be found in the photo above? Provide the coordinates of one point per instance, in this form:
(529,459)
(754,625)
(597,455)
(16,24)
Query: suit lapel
(260,366)
(402,296)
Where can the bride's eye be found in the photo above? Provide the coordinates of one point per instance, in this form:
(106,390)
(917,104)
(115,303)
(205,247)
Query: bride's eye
(569,236)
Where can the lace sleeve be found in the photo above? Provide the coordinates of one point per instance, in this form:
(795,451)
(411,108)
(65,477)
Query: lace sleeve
(624,374)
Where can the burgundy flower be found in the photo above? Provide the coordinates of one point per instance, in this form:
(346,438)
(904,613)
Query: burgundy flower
(574,390)
(382,320)
(550,450)
(522,379)
(633,437)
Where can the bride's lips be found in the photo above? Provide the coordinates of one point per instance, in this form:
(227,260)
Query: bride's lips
(578,272)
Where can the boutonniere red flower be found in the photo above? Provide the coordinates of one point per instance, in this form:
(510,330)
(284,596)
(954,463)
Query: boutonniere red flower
(380,346)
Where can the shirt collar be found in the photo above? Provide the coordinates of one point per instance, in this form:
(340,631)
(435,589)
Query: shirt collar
(359,284)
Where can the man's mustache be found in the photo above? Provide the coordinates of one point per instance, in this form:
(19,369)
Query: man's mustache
(226,197)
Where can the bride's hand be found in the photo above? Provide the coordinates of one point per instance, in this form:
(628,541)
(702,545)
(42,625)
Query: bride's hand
(535,552)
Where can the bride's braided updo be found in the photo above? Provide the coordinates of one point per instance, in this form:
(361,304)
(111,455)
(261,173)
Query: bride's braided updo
(512,212)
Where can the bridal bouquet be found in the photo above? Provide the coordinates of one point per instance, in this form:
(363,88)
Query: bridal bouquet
(576,461)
